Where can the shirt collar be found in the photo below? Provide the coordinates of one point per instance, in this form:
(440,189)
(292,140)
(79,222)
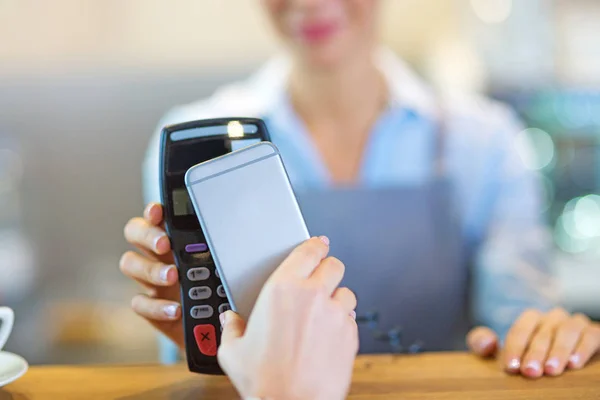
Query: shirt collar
(406,89)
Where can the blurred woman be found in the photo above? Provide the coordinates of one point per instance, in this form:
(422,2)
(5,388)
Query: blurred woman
(423,196)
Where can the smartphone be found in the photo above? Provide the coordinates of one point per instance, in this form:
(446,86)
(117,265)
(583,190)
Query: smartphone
(250,216)
(202,294)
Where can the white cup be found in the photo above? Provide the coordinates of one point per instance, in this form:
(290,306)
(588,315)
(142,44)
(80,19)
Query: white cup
(7,316)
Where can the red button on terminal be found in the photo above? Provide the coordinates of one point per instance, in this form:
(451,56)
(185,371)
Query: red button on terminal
(206,339)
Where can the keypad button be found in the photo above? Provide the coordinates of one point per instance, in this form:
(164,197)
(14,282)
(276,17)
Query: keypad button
(217,273)
(198,274)
(196,247)
(206,339)
(200,293)
(221,292)
(224,307)
(201,312)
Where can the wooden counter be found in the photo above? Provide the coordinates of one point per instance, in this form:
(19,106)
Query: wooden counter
(449,376)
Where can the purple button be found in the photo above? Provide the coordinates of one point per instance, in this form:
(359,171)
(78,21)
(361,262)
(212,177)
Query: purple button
(196,248)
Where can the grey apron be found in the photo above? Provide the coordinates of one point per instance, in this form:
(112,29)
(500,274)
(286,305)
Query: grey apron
(404,259)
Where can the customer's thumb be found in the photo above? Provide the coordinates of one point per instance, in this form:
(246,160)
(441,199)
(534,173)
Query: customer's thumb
(233,326)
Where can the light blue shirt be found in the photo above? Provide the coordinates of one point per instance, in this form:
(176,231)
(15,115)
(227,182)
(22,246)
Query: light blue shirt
(499,199)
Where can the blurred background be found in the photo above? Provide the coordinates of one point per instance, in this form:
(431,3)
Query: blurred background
(84,83)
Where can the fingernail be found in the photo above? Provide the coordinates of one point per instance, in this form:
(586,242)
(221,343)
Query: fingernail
(514,365)
(353,314)
(574,361)
(533,367)
(147,211)
(171,310)
(222,318)
(552,365)
(325,240)
(157,240)
(164,273)
(483,344)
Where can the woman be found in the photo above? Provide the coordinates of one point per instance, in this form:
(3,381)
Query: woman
(379,162)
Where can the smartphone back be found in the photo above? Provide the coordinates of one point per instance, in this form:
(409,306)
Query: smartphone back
(249,214)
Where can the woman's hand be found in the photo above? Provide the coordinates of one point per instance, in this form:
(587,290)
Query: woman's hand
(301,339)
(542,344)
(154,268)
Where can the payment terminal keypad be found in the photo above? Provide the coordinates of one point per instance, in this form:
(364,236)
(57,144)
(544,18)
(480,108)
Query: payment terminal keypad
(204,299)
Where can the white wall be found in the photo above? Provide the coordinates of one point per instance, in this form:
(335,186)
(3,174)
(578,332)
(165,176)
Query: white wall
(43,37)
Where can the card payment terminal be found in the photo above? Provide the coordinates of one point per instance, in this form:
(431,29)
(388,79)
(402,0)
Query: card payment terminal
(202,295)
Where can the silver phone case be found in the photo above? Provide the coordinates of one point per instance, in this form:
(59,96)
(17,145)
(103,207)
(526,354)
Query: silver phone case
(250,217)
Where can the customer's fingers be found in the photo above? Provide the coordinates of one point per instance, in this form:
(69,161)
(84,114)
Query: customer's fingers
(233,326)
(302,261)
(346,298)
(518,339)
(140,232)
(149,272)
(534,360)
(156,309)
(328,274)
(482,341)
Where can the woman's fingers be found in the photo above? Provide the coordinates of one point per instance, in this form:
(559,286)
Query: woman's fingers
(164,315)
(156,309)
(482,341)
(539,344)
(518,339)
(153,213)
(140,232)
(346,298)
(588,346)
(146,271)
(566,338)
(328,274)
(534,361)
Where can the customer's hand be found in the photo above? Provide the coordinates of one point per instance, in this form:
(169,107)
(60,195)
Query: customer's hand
(301,339)
(541,344)
(154,268)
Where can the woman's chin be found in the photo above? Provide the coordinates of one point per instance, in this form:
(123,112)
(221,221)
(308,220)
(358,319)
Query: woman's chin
(325,57)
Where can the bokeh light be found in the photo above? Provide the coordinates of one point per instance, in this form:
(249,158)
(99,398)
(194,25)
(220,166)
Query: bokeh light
(535,147)
(569,225)
(586,216)
(578,227)
(565,240)
(492,11)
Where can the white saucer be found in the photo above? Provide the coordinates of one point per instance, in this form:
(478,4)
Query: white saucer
(12,367)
